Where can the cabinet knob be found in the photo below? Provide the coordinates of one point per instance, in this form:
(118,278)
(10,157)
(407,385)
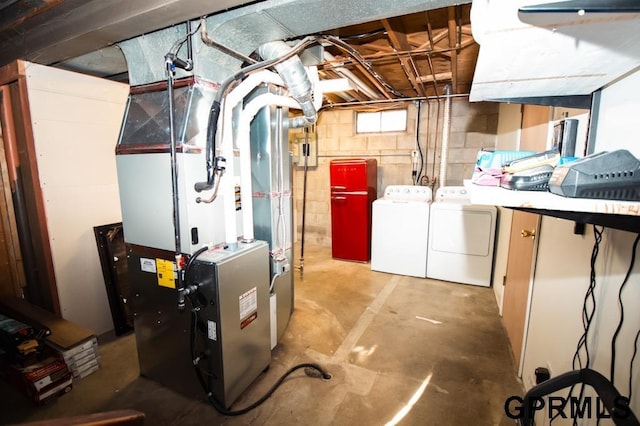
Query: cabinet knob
(526,234)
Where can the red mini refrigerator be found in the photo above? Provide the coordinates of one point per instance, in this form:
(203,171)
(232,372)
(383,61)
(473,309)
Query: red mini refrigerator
(353,191)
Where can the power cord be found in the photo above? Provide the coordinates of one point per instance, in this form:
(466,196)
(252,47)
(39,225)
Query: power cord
(633,359)
(588,311)
(619,327)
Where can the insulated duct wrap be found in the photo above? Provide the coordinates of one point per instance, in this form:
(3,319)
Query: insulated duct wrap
(295,78)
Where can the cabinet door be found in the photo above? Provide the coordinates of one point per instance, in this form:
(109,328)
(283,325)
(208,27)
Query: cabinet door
(535,127)
(522,245)
(523,240)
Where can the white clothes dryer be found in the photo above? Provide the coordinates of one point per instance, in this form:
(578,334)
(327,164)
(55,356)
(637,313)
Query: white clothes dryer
(461,238)
(400,226)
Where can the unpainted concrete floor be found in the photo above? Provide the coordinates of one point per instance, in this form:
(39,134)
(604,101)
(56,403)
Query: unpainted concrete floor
(401,350)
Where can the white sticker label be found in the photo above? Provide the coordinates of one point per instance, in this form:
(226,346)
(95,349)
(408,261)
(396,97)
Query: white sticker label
(43,382)
(248,303)
(248,307)
(148,265)
(211,330)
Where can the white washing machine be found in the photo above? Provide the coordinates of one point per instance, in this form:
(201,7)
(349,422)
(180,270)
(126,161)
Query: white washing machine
(399,234)
(461,238)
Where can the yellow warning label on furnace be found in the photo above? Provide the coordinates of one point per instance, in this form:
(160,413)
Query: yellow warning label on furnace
(166,273)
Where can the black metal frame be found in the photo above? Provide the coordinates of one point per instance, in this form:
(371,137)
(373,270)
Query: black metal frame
(122,322)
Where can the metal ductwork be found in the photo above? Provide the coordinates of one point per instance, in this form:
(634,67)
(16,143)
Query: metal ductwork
(295,78)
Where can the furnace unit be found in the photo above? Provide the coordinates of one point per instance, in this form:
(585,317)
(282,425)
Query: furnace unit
(204,175)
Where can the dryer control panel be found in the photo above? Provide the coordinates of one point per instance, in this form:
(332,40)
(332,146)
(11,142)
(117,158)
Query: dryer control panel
(452,194)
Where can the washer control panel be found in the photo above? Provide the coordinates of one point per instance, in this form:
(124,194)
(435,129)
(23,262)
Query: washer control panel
(408,193)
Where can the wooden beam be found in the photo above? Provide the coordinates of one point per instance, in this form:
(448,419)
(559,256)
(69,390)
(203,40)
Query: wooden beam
(398,37)
(11,72)
(435,77)
(465,43)
(383,90)
(437,37)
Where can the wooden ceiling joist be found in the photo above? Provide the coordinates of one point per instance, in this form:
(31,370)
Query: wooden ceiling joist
(398,38)
(437,37)
(373,80)
(441,76)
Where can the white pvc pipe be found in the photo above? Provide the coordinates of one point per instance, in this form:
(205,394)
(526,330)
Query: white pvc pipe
(243,141)
(231,100)
(446,130)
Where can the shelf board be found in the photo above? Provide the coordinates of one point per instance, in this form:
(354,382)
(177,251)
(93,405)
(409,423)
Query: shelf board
(497,196)
(624,215)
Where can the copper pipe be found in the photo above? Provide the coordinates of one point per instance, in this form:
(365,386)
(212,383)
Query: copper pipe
(433,71)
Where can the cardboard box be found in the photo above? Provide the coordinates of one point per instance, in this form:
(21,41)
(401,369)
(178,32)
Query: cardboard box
(40,381)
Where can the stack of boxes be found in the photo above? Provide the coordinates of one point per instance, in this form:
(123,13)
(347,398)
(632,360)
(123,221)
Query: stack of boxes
(82,359)
(28,364)
(42,354)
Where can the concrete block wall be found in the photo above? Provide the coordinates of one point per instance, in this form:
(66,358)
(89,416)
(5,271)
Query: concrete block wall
(473,126)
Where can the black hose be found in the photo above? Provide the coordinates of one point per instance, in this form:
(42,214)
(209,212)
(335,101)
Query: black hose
(192,258)
(315,367)
(311,370)
(214,113)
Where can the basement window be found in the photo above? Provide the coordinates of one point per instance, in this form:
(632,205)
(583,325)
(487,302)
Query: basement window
(393,120)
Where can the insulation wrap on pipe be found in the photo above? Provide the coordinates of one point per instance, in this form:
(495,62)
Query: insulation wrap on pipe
(294,76)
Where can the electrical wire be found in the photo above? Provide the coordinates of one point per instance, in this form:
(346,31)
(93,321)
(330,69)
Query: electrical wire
(363,35)
(180,42)
(621,305)
(588,311)
(435,147)
(425,178)
(419,176)
(358,57)
(588,314)
(633,358)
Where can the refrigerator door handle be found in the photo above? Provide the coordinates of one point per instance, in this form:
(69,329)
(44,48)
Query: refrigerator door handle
(337,187)
(335,197)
